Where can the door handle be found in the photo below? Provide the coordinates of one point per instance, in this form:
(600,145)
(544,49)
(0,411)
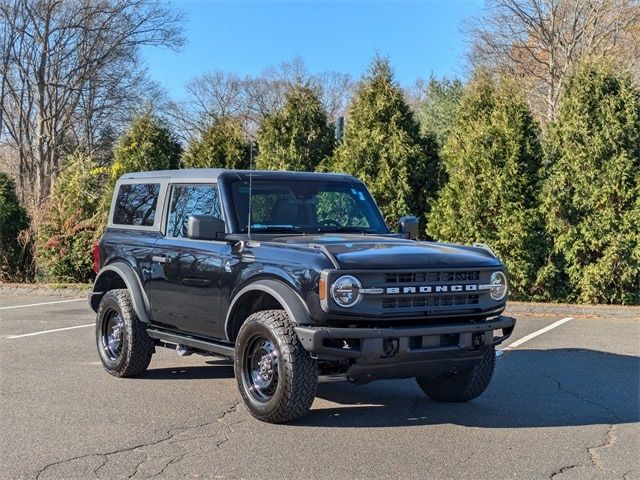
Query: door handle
(196,282)
(161,259)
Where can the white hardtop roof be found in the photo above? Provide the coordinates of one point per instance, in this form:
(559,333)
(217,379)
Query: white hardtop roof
(212,174)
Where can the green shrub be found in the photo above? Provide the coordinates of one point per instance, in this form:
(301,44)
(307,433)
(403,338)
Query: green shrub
(14,257)
(591,195)
(70,222)
(492,157)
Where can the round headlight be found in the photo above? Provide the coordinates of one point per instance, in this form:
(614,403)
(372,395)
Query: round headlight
(345,291)
(498,285)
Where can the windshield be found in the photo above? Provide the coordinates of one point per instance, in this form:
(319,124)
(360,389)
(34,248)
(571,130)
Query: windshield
(305,207)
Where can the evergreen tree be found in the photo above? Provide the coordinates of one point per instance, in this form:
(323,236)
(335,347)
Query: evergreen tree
(70,221)
(148,144)
(298,136)
(492,157)
(591,195)
(438,110)
(382,146)
(437,114)
(222,145)
(13,221)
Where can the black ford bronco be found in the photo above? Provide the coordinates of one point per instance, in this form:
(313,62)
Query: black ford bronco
(296,277)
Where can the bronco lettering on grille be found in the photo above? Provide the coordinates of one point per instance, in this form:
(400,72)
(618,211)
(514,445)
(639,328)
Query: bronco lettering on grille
(431,289)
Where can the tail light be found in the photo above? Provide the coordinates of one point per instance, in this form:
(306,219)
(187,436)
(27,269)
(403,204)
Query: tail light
(96,256)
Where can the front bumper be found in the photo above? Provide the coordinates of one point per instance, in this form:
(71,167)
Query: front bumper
(375,353)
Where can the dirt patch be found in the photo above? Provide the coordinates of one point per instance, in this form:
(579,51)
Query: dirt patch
(45,289)
(576,311)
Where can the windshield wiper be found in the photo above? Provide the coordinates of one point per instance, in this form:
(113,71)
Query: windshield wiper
(275,229)
(346,229)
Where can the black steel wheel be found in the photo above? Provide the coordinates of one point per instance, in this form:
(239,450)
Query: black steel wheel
(276,376)
(112,334)
(124,347)
(261,365)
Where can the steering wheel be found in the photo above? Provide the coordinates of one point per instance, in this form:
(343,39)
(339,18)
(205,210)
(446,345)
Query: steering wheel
(329,223)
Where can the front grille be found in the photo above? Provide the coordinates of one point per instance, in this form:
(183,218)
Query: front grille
(436,293)
(429,301)
(427,277)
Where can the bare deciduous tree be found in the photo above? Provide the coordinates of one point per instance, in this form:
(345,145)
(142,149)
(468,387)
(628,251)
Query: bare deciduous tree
(416,94)
(66,67)
(336,91)
(209,96)
(266,92)
(540,40)
(221,94)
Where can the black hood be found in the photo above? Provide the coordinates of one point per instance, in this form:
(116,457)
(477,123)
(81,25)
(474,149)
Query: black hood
(359,252)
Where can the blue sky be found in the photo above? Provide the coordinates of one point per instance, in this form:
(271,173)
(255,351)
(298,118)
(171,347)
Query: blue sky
(420,37)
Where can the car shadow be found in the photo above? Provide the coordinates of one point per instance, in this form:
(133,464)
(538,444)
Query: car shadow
(531,388)
(215,369)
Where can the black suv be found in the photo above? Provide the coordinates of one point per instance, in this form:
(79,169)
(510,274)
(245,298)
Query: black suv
(297,278)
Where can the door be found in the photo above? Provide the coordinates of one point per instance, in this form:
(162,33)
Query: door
(185,286)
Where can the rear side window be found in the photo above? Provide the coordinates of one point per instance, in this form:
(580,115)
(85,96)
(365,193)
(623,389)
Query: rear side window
(136,204)
(189,200)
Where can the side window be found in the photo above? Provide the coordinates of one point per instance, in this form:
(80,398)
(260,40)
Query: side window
(136,204)
(191,200)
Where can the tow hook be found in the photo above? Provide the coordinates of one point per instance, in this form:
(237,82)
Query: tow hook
(390,347)
(478,340)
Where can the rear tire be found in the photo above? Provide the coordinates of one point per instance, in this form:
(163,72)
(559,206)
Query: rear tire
(123,344)
(461,386)
(276,376)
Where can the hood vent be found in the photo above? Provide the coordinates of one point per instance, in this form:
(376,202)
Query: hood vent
(428,277)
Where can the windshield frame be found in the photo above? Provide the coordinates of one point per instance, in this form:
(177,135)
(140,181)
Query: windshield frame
(236,225)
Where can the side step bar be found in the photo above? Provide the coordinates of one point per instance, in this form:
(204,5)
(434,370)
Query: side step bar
(218,348)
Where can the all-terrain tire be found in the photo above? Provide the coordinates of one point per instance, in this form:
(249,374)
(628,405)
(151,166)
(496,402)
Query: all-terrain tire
(461,386)
(135,347)
(295,372)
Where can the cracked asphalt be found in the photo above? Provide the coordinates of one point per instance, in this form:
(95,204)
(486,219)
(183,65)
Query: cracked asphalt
(563,405)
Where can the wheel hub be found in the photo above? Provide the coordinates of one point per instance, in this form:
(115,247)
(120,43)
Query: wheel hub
(113,335)
(262,368)
(266,367)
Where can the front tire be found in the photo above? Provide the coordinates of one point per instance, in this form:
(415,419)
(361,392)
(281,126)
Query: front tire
(461,386)
(123,344)
(276,376)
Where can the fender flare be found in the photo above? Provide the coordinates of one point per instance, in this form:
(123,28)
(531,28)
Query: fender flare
(132,281)
(290,300)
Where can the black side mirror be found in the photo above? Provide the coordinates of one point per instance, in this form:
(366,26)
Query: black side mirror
(205,227)
(409,226)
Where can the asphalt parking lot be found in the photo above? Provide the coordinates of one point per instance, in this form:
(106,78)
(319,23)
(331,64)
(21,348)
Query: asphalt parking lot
(564,404)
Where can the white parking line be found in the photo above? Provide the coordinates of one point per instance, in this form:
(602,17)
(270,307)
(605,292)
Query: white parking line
(526,338)
(43,303)
(51,331)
